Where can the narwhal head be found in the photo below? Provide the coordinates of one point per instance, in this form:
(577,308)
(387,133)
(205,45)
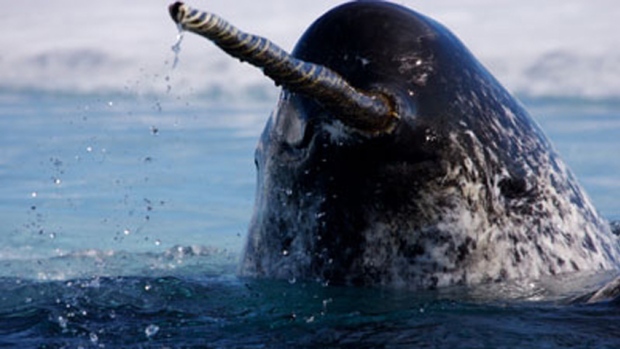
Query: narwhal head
(394,157)
(354,141)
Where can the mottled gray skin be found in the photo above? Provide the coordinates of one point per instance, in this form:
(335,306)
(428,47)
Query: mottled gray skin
(466,189)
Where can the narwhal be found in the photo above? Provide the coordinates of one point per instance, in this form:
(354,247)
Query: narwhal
(395,158)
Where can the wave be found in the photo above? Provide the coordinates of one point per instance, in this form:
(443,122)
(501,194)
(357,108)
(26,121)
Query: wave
(566,74)
(552,74)
(180,312)
(181,261)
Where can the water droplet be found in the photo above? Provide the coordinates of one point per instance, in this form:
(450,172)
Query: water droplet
(34,194)
(94,338)
(52,235)
(289,192)
(147,287)
(151,330)
(326,302)
(57,181)
(157,242)
(285,252)
(89,149)
(176,48)
(126,231)
(110,104)
(62,322)
(292,280)
(56,162)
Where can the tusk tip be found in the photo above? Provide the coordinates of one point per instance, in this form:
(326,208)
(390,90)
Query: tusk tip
(174,10)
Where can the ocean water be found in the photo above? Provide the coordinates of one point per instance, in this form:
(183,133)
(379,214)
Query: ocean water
(127,185)
(123,218)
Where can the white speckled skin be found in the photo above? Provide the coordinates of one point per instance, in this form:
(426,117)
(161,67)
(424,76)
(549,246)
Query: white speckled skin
(465,190)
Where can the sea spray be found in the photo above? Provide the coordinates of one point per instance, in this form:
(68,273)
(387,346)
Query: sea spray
(176,48)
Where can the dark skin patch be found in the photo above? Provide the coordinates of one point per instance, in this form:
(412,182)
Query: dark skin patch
(589,244)
(560,261)
(464,249)
(513,188)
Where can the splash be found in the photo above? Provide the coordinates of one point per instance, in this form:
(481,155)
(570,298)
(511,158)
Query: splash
(176,48)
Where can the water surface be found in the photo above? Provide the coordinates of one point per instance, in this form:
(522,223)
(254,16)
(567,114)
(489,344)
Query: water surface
(123,218)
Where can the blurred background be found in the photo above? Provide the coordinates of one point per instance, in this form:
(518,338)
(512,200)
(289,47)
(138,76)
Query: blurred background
(550,48)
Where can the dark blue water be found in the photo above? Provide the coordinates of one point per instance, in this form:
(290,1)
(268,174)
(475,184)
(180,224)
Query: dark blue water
(123,219)
(223,312)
